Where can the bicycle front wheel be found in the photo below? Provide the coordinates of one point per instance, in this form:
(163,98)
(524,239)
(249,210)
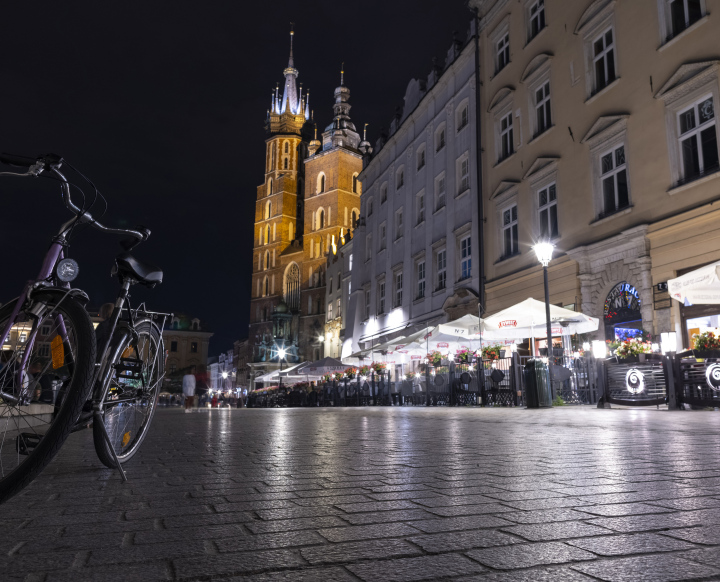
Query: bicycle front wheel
(46,369)
(130,392)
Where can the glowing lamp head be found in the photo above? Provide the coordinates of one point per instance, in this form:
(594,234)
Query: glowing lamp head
(599,349)
(544,251)
(224,374)
(281,353)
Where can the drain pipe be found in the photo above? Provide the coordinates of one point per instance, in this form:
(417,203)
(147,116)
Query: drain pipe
(478,165)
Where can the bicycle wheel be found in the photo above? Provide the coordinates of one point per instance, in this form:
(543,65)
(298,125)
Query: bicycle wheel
(46,369)
(130,391)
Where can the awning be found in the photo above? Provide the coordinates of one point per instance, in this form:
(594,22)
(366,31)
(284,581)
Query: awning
(699,287)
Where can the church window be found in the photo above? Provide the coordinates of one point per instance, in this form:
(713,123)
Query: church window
(292,287)
(270,186)
(321,219)
(266,286)
(353,219)
(267,260)
(268,210)
(285,164)
(291,231)
(383,193)
(267,234)
(274,232)
(286,147)
(355,183)
(272,157)
(321,183)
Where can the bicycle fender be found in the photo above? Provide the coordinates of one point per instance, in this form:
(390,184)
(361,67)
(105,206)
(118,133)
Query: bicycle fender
(53,295)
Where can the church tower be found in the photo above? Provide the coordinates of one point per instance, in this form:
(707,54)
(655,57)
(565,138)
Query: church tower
(331,207)
(278,224)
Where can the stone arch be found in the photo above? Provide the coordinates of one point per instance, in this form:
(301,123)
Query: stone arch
(612,274)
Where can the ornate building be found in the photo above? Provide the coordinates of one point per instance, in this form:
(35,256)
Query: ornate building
(310,198)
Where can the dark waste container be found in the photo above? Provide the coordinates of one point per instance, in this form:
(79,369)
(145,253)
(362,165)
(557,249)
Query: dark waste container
(537,384)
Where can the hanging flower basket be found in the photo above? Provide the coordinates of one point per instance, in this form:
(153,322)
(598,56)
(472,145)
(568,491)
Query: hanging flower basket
(434,358)
(463,356)
(379,367)
(351,373)
(410,375)
(492,352)
(364,370)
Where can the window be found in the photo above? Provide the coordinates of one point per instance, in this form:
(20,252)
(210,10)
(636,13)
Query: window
(320,219)
(441,269)
(613,175)
(502,53)
(683,14)
(268,209)
(331,285)
(542,108)
(510,231)
(285,163)
(270,186)
(369,207)
(547,208)
(45,330)
(338,306)
(398,224)
(698,139)
(465,259)
(463,169)
(507,147)
(368,248)
(286,147)
(350,263)
(421,158)
(537,18)
(421,280)
(398,288)
(383,194)
(193,347)
(440,138)
(420,207)
(440,191)
(367,304)
(172,367)
(400,179)
(604,60)
(462,119)
(173,346)
(320,183)
(355,183)
(44,350)
(330,311)
(267,260)
(381,297)
(383,237)
(266,287)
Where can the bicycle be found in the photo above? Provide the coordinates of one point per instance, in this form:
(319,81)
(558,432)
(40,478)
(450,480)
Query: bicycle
(54,378)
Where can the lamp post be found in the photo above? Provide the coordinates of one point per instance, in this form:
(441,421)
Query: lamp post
(544,251)
(281,355)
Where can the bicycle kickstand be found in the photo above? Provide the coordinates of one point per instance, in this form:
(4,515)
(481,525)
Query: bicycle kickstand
(97,418)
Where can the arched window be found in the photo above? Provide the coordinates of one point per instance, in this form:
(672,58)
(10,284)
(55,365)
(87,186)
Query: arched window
(355,183)
(354,218)
(291,287)
(321,219)
(321,183)
(268,209)
(267,234)
(267,260)
(272,157)
(266,287)
(286,164)
(291,231)
(286,147)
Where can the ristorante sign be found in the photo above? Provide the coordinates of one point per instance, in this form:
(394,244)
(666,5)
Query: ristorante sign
(508,323)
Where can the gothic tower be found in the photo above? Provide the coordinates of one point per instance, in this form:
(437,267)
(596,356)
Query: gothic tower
(278,223)
(331,207)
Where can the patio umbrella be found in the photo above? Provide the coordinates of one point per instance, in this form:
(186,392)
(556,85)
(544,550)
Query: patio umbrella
(274,376)
(321,367)
(527,317)
(701,286)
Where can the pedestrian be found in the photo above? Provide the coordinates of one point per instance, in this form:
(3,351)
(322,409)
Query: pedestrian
(188,384)
(214,401)
(201,383)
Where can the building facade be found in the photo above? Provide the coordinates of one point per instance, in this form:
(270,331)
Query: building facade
(338,289)
(413,252)
(186,344)
(600,134)
(308,202)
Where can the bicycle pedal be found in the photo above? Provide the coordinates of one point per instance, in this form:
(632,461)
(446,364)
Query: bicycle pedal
(26,442)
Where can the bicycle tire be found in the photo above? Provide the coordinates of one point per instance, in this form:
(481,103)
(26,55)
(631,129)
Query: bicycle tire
(75,394)
(121,342)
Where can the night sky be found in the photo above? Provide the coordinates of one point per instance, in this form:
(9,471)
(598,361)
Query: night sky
(162,105)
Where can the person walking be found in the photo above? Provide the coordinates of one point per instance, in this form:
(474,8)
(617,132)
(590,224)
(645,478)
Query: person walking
(188,384)
(202,383)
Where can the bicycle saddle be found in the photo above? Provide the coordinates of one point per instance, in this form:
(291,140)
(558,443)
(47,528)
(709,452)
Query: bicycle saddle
(142,272)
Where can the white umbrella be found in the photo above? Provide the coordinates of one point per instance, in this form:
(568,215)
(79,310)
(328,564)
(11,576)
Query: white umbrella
(527,317)
(274,376)
(700,287)
(321,367)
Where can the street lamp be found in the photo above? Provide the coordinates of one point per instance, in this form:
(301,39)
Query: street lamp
(281,354)
(544,251)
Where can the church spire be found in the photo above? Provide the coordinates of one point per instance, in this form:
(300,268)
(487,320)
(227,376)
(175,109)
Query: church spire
(291,99)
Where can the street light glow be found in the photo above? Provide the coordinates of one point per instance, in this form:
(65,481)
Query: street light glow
(544,251)
(224,374)
(281,353)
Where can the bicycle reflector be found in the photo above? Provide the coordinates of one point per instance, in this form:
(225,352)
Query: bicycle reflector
(67,270)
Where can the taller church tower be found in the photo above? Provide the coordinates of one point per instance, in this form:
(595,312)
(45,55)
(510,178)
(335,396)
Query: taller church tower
(279,224)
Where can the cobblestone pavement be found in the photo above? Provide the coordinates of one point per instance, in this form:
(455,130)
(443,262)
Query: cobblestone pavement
(387,494)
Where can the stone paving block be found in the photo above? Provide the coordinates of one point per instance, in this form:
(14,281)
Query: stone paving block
(660,568)
(446,501)
(298,512)
(464,540)
(377,506)
(332,500)
(403,495)
(688,503)
(259,527)
(709,556)
(460,523)
(213,532)
(207,519)
(332,574)
(544,515)
(549,503)
(355,551)
(197,509)
(545,532)
(366,532)
(241,563)
(108,528)
(149,572)
(709,535)
(72,543)
(412,569)
(526,495)
(147,552)
(223,507)
(622,509)
(458,510)
(656,521)
(387,516)
(624,545)
(527,555)
(561,574)
(42,562)
(271,541)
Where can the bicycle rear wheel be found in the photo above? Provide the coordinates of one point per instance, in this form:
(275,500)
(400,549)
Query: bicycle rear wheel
(46,370)
(130,392)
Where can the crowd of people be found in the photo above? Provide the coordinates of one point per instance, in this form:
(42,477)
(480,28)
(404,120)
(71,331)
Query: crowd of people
(198,395)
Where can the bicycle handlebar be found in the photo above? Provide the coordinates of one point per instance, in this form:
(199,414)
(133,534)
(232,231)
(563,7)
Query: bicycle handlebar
(52,162)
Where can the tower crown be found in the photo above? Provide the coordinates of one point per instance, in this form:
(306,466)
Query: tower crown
(292,99)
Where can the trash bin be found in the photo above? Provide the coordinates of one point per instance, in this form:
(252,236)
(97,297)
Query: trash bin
(537,384)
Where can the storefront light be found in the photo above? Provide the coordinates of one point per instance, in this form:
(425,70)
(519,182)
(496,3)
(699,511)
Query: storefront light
(586,346)
(599,349)
(668,341)
(655,348)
